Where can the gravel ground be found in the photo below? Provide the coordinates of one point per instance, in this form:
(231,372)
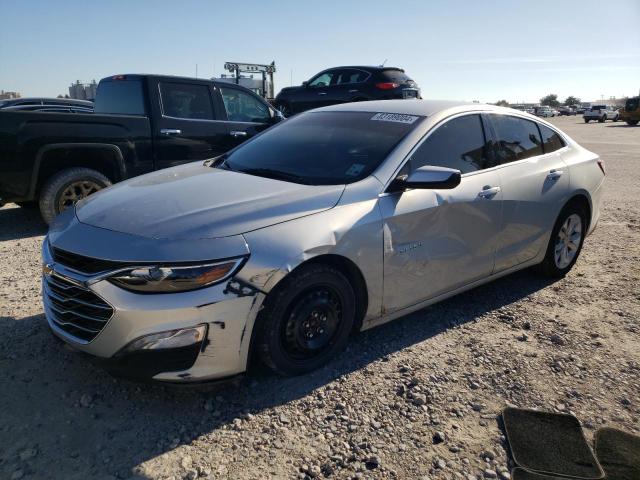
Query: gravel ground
(417,398)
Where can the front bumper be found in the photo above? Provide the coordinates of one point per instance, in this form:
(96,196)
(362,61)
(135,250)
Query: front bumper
(228,310)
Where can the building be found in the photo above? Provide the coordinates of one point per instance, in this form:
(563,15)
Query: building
(83,91)
(248,81)
(9,95)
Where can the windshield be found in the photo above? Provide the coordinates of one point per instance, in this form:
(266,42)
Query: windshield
(323,148)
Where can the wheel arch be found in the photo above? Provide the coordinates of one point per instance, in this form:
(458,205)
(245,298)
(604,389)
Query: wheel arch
(53,158)
(341,263)
(583,200)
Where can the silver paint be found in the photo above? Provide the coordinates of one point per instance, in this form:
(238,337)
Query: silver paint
(412,248)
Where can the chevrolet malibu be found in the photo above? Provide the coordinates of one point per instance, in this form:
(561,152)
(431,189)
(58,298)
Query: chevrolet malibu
(334,221)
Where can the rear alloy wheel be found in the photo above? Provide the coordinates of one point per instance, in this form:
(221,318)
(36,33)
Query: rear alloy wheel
(68,187)
(307,320)
(565,243)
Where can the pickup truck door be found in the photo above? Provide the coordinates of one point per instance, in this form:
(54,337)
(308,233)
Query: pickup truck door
(189,125)
(244,112)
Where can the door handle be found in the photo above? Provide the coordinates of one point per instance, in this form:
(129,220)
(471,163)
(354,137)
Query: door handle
(238,133)
(322,93)
(171,131)
(553,174)
(488,192)
(353,90)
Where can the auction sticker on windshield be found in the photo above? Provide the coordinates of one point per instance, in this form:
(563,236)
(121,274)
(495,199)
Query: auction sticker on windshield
(394,117)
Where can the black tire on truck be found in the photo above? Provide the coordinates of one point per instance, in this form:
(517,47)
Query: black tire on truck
(67,187)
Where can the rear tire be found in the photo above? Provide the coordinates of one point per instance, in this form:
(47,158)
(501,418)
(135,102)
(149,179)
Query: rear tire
(602,119)
(306,321)
(615,119)
(632,122)
(66,188)
(565,243)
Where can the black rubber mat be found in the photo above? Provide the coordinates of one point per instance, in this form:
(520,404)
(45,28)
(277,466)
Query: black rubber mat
(550,443)
(522,474)
(619,454)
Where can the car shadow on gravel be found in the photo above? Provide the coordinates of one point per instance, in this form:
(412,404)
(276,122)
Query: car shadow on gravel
(83,422)
(17,223)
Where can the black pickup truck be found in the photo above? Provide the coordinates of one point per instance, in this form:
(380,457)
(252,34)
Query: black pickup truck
(140,123)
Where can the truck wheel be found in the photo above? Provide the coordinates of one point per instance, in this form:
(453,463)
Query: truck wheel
(602,119)
(632,122)
(66,188)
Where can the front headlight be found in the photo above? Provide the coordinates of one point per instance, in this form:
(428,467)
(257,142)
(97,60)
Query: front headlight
(170,279)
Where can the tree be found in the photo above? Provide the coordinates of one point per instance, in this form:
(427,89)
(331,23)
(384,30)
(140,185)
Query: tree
(571,100)
(551,100)
(502,103)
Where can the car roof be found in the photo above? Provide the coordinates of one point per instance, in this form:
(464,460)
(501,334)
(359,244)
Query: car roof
(141,76)
(425,108)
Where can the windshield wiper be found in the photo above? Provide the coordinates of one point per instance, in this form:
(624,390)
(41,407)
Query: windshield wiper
(276,175)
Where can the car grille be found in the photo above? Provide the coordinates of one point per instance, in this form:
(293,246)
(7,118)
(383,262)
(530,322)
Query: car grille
(75,309)
(83,264)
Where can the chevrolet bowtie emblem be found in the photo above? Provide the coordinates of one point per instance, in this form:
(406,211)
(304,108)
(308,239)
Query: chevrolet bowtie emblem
(47,269)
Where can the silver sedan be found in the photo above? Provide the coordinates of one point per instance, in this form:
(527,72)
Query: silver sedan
(334,221)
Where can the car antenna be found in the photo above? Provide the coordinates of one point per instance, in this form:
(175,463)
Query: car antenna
(385,61)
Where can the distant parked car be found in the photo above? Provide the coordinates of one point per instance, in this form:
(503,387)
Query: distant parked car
(631,111)
(566,111)
(47,105)
(347,84)
(601,113)
(544,111)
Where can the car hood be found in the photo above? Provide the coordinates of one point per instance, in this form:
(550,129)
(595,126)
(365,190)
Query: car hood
(197,201)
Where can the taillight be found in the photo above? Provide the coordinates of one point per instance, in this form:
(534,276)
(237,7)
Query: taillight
(601,165)
(387,85)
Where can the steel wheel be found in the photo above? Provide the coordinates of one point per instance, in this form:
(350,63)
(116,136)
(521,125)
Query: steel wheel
(76,191)
(568,241)
(312,323)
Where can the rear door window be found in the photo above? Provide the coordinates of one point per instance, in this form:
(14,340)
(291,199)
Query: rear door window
(551,141)
(517,138)
(186,100)
(459,143)
(351,75)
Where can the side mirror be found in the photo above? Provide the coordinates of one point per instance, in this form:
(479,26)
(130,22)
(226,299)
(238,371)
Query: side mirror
(305,84)
(429,177)
(276,116)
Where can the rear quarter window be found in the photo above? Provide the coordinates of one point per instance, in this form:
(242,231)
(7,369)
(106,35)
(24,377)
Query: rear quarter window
(551,141)
(396,76)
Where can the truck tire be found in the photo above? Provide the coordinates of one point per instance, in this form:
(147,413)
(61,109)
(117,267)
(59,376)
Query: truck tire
(66,188)
(602,119)
(632,122)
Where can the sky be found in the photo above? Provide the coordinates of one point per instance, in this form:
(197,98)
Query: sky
(463,50)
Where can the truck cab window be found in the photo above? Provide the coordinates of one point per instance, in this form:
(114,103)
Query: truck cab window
(183,100)
(244,107)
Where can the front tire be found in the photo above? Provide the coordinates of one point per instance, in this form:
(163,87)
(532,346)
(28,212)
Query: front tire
(602,119)
(565,244)
(632,122)
(307,320)
(66,188)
